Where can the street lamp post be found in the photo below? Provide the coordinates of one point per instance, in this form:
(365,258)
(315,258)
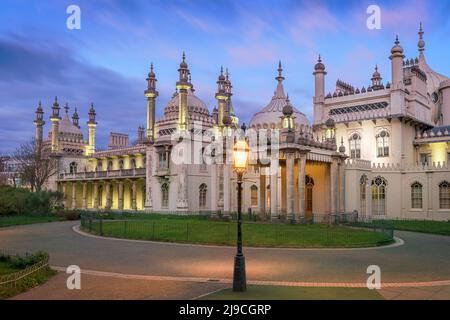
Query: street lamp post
(240,157)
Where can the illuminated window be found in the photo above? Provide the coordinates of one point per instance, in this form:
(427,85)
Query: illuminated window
(362,192)
(309,184)
(73,167)
(416,195)
(202,195)
(165,195)
(383,144)
(355,146)
(379,196)
(254,195)
(444,195)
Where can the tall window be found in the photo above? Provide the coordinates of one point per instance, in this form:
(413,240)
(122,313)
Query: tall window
(202,195)
(379,196)
(383,144)
(73,167)
(362,193)
(110,165)
(162,160)
(444,195)
(355,146)
(133,164)
(254,195)
(203,165)
(121,165)
(425,158)
(416,195)
(309,184)
(165,195)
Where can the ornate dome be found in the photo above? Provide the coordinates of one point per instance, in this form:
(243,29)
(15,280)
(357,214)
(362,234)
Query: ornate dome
(197,109)
(269,117)
(397,48)
(68,129)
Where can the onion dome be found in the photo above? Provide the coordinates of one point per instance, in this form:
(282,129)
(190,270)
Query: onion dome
(376,74)
(319,65)
(397,48)
(183,64)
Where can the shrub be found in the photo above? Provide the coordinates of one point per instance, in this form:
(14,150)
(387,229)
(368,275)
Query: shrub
(19,201)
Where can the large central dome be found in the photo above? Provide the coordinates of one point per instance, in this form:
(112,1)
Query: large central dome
(269,117)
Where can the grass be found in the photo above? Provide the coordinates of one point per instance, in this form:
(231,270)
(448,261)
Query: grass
(295,293)
(195,230)
(12,263)
(425,226)
(6,221)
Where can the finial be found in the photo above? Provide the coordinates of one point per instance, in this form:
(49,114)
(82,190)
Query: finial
(376,67)
(421,43)
(221,70)
(40,104)
(227,74)
(243,127)
(280,72)
(66,107)
(151,67)
(396,40)
(320,59)
(56,99)
(184,56)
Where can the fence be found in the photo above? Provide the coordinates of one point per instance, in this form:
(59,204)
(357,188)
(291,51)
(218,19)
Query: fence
(344,232)
(11,279)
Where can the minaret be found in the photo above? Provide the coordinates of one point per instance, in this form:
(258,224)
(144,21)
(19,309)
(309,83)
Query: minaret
(222,97)
(55,118)
(90,148)
(228,120)
(183,86)
(151,95)
(397,86)
(75,119)
(319,95)
(39,122)
(421,43)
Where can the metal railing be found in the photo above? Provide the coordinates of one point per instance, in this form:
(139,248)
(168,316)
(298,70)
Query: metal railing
(11,279)
(85,175)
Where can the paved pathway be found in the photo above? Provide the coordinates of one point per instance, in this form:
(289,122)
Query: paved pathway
(422,258)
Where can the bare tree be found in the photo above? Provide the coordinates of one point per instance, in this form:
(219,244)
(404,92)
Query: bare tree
(34,166)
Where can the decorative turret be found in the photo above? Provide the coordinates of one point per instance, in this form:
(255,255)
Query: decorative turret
(183,85)
(397,86)
(39,123)
(90,148)
(222,97)
(376,79)
(319,95)
(55,118)
(287,120)
(141,135)
(151,95)
(75,119)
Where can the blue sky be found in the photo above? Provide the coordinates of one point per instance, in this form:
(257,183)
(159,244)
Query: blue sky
(107,61)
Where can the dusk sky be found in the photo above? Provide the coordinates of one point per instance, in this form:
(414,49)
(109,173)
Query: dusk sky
(107,60)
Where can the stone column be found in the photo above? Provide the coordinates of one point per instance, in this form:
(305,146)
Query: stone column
(85,195)
(108,195)
(74,195)
(226,189)
(274,188)
(342,187)
(214,188)
(262,192)
(333,185)
(148,179)
(301,186)
(290,186)
(133,195)
(120,187)
(95,195)
(64,191)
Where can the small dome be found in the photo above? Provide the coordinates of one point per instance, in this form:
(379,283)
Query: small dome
(319,65)
(376,74)
(330,123)
(397,48)
(66,126)
(288,110)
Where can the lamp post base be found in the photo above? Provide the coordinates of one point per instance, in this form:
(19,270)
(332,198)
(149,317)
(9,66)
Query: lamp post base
(239,278)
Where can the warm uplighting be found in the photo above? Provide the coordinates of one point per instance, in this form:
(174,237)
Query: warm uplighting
(240,155)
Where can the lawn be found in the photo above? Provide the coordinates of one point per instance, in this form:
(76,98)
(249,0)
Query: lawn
(426,226)
(6,221)
(195,230)
(295,293)
(12,264)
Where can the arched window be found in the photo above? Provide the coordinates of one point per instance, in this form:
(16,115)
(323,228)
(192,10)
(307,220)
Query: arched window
(254,195)
(202,195)
(121,165)
(355,146)
(379,196)
(100,196)
(383,144)
(110,165)
(416,195)
(73,167)
(309,184)
(444,195)
(362,194)
(165,195)
(133,164)
(100,166)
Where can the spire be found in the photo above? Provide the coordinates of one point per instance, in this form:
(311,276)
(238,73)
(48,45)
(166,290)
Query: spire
(39,112)
(319,65)
(421,43)
(279,93)
(92,115)
(397,48)
(55,109)
(183,72)
(75,118)
(66,108)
